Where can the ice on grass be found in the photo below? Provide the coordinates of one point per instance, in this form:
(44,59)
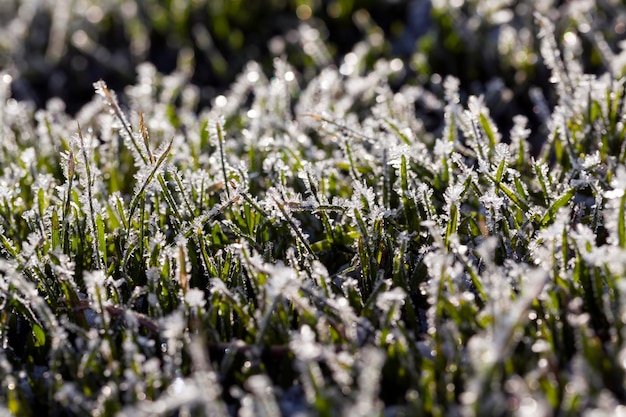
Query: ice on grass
(391,299)
(493,203)
(304,345)
(195,298)
(378,235)
(453,194)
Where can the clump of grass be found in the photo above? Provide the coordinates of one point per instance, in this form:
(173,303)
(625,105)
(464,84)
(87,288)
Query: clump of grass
(313,249)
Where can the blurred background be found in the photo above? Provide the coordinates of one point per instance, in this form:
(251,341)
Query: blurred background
(58,48)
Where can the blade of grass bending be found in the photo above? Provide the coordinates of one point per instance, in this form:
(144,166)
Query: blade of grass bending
(206,217)
(112,101)
(137,197)
(510,194)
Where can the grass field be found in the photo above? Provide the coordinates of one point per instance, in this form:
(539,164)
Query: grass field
(340,235)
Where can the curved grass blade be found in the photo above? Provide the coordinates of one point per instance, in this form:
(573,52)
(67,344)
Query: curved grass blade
(138,196)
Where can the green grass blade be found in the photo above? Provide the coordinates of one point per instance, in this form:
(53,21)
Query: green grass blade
(139,195)
(560,202)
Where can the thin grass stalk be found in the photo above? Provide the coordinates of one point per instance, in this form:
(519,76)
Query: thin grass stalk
(220,144)
(141,193)
(71,165)
(92,216)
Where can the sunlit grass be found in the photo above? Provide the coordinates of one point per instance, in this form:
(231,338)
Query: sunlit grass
(313,248)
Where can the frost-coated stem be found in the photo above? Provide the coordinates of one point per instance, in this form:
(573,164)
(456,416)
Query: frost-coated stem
(92,218)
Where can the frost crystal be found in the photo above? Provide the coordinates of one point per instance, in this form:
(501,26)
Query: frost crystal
(389,300)
(304,346)
(195,298)
(453,194)
(492,203)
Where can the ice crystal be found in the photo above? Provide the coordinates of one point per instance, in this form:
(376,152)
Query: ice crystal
(493,204)
(195,298)
(304,345)
(453,195)
(390,301)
